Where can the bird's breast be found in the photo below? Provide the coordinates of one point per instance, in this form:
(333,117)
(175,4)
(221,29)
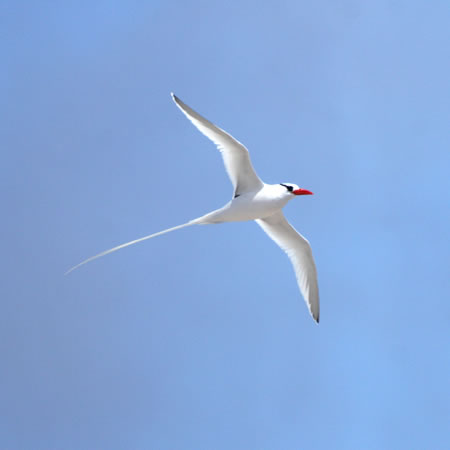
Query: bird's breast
(251,207)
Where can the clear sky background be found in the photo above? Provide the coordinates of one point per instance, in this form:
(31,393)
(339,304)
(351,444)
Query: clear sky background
(200,339)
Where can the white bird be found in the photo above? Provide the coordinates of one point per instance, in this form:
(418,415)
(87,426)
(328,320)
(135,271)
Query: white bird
(252,200)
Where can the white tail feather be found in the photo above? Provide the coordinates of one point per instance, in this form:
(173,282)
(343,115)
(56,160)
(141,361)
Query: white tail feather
(106,252)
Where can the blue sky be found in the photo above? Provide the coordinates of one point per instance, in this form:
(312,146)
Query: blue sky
(200,339)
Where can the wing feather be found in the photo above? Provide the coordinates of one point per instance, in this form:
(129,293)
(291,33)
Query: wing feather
(300,254)
(235,156)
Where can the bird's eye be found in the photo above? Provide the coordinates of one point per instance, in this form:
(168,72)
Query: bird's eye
(289,188)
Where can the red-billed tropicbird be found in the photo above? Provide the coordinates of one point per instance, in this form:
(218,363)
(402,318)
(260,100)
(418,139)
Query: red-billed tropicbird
(252,200)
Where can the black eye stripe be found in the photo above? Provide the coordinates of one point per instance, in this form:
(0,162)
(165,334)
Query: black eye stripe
(289,188)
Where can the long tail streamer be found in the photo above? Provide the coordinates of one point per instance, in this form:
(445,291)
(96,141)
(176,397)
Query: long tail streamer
(111,250)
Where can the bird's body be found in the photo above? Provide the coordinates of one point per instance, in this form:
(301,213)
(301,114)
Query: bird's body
(252,200)
(251,205)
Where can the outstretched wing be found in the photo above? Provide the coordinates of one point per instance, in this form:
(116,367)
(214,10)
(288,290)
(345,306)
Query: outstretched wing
(235,156)
(299,252)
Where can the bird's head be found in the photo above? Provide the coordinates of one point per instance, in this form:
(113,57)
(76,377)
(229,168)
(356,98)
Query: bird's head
(295,190)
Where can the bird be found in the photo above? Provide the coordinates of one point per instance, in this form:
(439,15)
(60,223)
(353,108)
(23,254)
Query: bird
(252,200)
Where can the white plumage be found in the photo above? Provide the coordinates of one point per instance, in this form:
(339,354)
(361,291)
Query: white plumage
(252,200)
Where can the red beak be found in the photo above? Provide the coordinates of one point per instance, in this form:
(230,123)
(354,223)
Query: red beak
(302,192)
